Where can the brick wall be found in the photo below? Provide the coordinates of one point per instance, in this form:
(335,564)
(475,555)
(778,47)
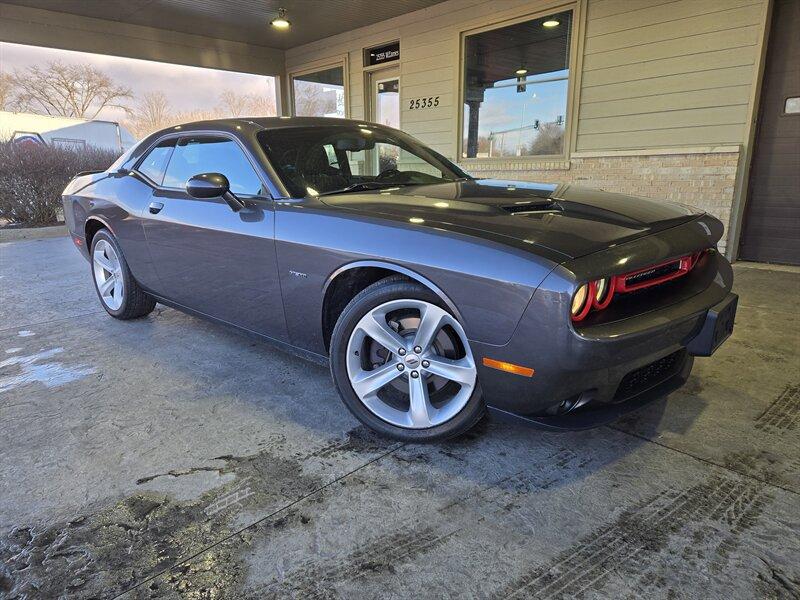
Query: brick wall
(703,180)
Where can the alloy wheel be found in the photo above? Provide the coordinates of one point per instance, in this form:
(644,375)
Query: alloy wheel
(410,364)
(108,274)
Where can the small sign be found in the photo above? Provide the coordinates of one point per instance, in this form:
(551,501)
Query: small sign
(382,54)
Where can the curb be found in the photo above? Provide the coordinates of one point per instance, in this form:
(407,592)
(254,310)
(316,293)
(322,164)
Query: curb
(32,233)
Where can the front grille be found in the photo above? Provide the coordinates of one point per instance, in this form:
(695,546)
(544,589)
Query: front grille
(654,273)
(651,375)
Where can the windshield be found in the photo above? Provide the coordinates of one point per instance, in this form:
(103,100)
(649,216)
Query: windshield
(334,158)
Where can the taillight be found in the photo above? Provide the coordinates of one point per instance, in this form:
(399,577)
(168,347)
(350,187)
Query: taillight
(582,301)
(598,294)
(604,292)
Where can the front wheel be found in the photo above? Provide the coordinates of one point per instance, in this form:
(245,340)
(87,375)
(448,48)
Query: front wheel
(118,291)
(403,365)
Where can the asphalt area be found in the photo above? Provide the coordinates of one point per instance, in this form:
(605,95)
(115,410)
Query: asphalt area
(173,458)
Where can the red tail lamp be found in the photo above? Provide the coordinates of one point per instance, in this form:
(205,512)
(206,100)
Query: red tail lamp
(582,301)
(656,274)
(598,294)
(604,292)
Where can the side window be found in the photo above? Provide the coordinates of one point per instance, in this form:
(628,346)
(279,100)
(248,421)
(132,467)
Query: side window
(333,161)
(154,164)
(196,155)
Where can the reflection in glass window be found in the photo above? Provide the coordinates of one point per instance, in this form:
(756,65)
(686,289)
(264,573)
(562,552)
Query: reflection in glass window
(319,94)
(155,162)
(195,156)
(515,89)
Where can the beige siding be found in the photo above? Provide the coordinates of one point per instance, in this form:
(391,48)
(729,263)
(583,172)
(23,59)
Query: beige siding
(655,73)
(660,73)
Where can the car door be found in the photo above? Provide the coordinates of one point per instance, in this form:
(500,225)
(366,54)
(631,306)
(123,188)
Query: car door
(208,257)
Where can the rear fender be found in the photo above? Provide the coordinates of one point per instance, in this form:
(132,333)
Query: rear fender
(702,232)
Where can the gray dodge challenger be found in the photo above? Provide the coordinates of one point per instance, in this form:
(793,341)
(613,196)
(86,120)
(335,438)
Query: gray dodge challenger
(433,295)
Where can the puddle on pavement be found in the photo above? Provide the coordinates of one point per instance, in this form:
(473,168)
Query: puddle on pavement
(39,367)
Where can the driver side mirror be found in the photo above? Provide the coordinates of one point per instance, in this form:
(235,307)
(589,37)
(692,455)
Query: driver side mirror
(213,185)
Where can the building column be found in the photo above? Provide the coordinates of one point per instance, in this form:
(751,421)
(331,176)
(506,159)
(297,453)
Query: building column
(472,128)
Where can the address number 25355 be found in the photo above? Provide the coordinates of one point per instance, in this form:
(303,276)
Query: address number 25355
(418,103)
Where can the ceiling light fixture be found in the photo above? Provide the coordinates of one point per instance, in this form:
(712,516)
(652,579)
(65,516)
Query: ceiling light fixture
(281,22)
(521,72)
(551,23)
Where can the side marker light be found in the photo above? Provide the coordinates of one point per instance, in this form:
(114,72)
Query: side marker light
(508,367)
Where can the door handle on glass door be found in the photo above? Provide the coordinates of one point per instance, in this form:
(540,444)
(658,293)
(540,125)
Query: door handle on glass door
(155,207)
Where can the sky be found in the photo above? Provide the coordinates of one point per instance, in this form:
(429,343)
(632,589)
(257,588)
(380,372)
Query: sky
(503,107)
(188,88)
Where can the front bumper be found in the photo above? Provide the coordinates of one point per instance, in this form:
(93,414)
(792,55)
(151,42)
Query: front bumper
(589,415)
(578,372)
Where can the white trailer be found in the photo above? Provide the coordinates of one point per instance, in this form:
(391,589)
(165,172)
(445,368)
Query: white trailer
(64,132)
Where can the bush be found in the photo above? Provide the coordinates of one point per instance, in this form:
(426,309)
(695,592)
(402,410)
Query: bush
(32,178)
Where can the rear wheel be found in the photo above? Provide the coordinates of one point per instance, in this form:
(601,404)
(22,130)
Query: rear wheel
(118,291)
(402,364)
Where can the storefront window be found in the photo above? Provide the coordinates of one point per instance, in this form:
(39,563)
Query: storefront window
(515,89)
(319,94)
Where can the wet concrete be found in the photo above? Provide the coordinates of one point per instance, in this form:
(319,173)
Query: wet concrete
(171,458)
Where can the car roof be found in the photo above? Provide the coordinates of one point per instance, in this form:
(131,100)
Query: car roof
(235,124)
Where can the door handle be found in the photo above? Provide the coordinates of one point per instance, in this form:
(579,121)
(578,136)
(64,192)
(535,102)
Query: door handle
(155,207)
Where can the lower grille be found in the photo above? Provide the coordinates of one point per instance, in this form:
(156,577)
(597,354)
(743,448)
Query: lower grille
(651,375)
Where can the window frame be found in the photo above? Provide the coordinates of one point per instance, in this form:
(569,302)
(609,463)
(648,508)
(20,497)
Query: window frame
(315,68)
(573,86)
(268,186)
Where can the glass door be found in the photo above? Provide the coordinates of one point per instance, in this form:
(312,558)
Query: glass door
(385,110)
(386,101)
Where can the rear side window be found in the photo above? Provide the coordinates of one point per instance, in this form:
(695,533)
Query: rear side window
(155,163)
(197,155)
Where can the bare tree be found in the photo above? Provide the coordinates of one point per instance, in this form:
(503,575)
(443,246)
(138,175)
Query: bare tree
(263,106)
(232,104)
(235,105)
(151,113)
(311,100)
(67,90)
(6,92)
(549,141)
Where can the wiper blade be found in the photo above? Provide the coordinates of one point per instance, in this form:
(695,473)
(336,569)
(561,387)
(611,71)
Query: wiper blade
(365,186)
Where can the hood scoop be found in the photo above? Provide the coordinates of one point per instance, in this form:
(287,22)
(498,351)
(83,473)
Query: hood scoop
(529,206)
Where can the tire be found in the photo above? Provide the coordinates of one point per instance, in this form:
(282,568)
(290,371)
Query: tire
(442,376)
(123,298)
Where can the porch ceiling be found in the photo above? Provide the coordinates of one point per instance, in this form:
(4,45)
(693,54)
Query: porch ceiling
(240,20)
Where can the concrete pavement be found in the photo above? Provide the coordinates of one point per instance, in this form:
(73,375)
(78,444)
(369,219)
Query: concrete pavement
(172,458)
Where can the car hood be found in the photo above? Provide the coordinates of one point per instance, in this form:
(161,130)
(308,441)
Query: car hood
(565,219)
